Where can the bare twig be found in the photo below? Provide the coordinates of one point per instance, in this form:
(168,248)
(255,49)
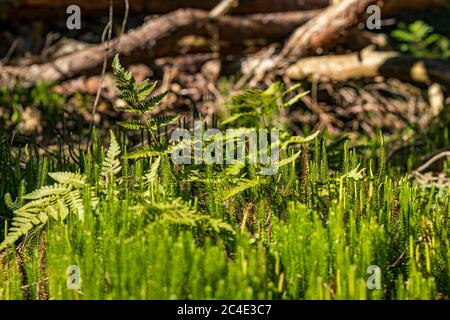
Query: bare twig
(397,262)
(440,181)
(108,29)
(11,50)
(433,160)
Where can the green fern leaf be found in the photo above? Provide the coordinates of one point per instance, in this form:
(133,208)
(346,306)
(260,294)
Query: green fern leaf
(120,72)
(145,89)
(162,121)
(237,116)
(20,226)
(69,178)
(148,105)
(241,187)
(111,165)
(177,212)
(290,159)
(153,174)
(148,151)
(132,124)
(300,140)
(56,189)
(62,209)
(73,199)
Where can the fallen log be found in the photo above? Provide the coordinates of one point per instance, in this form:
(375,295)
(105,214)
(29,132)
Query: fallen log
(369,64)
(321,33)
(327,29)
(159,38)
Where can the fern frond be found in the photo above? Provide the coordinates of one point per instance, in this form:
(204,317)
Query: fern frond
(234,169)
(132,124)
(241,187)
(162,121)
(15,233)
(55,201)
(177,212)
(237,116)
(148,105)
(111,165)
(145,89)
(295,99)
(21,226)
(151,124)
(123,76)
(128,95)
(300,140)
(69,178)
(149,151)
(37,205)
(73,199)
(290,159)
(12,205)
(62,209)
(152,175)
(53,190)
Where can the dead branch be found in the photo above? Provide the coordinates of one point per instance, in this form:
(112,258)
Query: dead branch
(159,38)
(428,179)
(327,29)
(369,64)
(444,154)
(321,33)
(333,26)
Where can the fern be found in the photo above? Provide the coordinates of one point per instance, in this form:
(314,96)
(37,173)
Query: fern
(144,89)
(151,124)
(258,108)
(132,124)
(153,174)
(148,151)
(241,186)
(75,203)
(55,201)
(68,178)
(111,165)
(138,96)
(300,140)
(148,105)
(53,190)
(177,212)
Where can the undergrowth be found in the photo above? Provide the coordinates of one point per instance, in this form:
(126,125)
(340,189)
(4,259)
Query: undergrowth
(138,226)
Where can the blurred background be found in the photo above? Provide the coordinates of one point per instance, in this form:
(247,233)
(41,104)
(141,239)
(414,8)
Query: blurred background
(365,70)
